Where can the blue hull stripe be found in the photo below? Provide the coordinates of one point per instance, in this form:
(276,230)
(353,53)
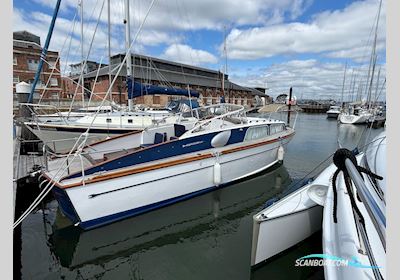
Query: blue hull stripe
(162,151)
(65,204)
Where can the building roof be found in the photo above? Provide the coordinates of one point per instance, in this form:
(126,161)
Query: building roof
(26,44)
(26,36)
(87,63)
(162,75)
(256,91)
(119,57)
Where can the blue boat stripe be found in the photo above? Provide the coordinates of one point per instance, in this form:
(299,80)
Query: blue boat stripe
(165,150)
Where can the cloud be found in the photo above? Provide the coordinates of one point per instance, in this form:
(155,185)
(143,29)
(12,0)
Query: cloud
(186,54)
(339,33)
(312,79)
(195,14)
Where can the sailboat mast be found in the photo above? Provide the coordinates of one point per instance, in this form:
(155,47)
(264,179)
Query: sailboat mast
(82,56)
(109,50)
(128,52)
(373,53)
(371,82)
(377,84)
(344,79)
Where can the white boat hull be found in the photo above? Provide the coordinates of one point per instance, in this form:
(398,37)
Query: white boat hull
(137,193)
(64,141)
(290,220)
(353,119)
(333,115)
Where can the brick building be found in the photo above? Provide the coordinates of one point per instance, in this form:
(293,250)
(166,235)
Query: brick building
(26,57)
(150,70)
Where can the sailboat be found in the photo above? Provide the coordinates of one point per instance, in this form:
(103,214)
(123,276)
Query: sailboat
(59,132)
(60,136)
(361,115)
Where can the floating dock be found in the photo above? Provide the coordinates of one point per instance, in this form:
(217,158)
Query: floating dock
(314,108)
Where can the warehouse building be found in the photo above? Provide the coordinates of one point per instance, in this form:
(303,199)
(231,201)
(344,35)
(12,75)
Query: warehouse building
(156,71)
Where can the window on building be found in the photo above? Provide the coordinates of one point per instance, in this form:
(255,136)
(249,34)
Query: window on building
(52,64)
(53,82)
(15,60)
(209,100)
(33,64)
(40,84)
(254,133)
(15,79)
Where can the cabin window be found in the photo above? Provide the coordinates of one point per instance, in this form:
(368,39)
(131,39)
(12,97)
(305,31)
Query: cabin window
(257,132)
(108,120)
(130,121)
(276,128)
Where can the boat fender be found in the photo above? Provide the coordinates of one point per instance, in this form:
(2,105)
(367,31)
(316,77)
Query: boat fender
(221,139)
(317,193)
(217,174)
(281,153)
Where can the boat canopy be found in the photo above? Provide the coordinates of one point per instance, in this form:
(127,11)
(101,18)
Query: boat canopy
(139,89)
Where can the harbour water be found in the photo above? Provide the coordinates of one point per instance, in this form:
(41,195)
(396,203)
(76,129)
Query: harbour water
(206,237)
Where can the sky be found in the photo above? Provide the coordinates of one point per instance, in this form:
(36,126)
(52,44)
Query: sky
(275,44)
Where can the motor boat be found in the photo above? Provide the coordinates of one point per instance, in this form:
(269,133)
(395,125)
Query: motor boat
(134,173)
(333,112)
(194,218)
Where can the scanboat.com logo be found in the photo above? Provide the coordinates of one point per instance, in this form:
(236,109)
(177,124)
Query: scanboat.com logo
(328,260)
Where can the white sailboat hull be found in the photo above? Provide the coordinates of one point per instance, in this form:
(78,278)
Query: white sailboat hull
(353,119)
(64,141)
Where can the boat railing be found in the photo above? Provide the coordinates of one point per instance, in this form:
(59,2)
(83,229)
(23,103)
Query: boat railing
(278,114)
(378,218)
(35,108)
(208,114)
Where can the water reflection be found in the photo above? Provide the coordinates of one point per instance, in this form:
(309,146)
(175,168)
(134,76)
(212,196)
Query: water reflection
(208,235)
